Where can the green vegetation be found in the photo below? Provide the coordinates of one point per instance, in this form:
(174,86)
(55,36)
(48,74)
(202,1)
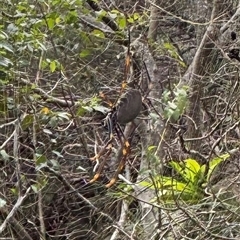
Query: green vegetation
(189,180)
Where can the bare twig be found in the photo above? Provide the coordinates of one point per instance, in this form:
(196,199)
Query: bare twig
(14,210)
(47,97)
(9,138)
(232,20)
(40,199)
(122,219)
(16,157)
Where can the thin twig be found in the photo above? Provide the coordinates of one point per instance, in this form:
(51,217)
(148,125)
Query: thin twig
(122,219)
(14,210)
(16,157)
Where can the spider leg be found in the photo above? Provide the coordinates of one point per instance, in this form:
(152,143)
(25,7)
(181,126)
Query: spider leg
(107,147)
(109,123)
(100,168)
(125,152)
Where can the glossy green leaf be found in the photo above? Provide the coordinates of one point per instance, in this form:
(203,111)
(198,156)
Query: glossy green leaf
(192,168)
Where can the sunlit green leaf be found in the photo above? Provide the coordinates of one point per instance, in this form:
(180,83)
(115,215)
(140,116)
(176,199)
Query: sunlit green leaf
(52,66)
(122,22)
(150,148)
(213,163)
(192,168)
(98,33)
(130,20)
(51,23)
(136,16)
(57,20)
(115,11)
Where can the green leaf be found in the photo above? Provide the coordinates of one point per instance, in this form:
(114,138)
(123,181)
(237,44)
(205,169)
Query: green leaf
(98,33)
(57,20)
(52,66)
(50,23)
(101,109)
(53,121)
(27,121)
(14,191)
(122,22)
(130,20)
(136,16)
(214,162)
(175,165)
(192,168)
(41,159)
(55,164)
(5,62)
(168,46)
(112,15)
(176,186)
(3,35)
(115,11)
(84,53)
(64,115)
(6,46)
(34,188)
(150,148)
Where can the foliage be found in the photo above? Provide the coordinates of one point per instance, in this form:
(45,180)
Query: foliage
(55,58)
(175,102)
(189,180)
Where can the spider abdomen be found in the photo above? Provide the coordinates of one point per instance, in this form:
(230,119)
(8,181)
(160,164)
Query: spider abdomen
(129,106)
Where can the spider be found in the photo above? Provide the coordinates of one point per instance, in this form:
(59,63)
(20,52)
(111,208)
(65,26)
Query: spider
(125,110)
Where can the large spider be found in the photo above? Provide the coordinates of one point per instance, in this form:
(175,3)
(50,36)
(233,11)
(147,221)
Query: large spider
(124,111)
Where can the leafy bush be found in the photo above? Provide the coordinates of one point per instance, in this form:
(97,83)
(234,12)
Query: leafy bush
(188,183)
